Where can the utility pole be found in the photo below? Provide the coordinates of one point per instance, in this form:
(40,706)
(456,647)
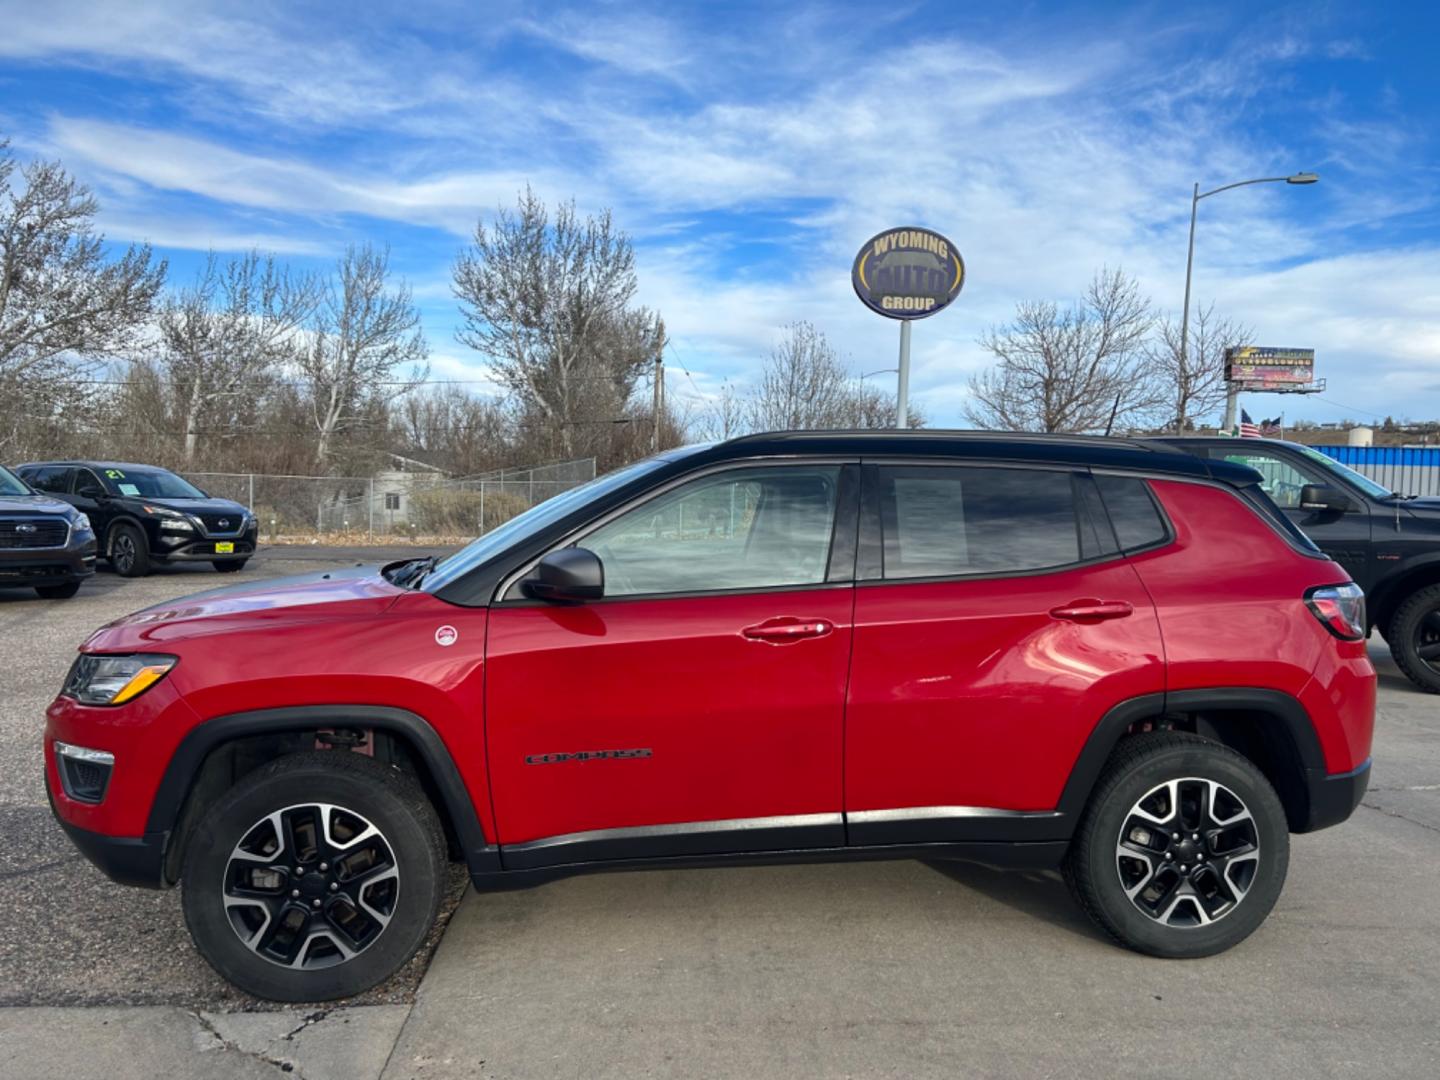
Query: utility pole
(658,405)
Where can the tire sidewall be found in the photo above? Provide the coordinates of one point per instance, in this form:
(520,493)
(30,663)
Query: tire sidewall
(1106,819)
(1400,636)
(208,852)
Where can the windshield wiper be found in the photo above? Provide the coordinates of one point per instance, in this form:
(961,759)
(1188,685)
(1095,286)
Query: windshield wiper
(414,571)
(403,573)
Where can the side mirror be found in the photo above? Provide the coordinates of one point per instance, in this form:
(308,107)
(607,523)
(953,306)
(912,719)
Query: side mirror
(570,574)
(1324,498)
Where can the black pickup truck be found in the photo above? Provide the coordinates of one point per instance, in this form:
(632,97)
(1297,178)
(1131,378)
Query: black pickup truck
(1388,540)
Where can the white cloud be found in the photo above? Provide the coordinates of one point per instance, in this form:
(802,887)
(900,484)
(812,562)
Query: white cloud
(1043,160)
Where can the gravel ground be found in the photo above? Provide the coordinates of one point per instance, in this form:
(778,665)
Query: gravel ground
(68,936)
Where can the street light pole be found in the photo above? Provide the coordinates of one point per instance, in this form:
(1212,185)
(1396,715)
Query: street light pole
(1231,396)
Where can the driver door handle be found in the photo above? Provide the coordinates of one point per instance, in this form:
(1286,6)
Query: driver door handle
(780,633)
(1093,610)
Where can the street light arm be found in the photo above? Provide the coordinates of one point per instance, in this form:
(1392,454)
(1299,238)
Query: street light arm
(1242,183)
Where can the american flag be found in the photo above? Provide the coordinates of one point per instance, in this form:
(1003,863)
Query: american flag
(1266,429)
(1248,428)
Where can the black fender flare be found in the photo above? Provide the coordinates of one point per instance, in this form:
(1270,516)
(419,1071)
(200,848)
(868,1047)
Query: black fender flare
(185,763)
(1287,712)
(1389,593)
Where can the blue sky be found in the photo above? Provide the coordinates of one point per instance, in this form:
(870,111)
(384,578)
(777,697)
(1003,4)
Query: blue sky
(750,148)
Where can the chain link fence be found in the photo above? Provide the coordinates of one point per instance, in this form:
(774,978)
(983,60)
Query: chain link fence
(392,504)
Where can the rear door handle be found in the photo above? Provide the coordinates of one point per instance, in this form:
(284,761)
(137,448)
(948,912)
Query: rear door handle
(779,633)
(1093,610)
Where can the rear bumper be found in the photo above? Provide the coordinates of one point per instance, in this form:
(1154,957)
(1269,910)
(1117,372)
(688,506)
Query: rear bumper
(1334,796)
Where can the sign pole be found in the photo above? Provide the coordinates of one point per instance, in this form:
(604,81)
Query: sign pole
(902,395)
(1232,398)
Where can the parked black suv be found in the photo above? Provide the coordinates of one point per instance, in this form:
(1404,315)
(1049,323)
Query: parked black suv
(143,514)
(1389,541)
(45,544)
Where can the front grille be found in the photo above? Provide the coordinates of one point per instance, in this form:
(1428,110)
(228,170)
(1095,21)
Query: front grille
(213,527)
(38,532)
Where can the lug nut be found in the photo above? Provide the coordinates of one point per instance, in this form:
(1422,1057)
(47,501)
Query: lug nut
(294,894)
(315,903)
(1183,870)
(1174,836)
(334,887)
(299,871)
(326,866)
(1195,836)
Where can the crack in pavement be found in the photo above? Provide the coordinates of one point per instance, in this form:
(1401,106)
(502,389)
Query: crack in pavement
(1397,814)
(284,1066)
(41,868)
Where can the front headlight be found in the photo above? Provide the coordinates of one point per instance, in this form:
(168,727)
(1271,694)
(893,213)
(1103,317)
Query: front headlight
(176,524)
(81,523)
(114,680)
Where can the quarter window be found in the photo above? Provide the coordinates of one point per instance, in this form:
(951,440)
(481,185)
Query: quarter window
(942,521)
(52,478)
(1132,511)
(751,528)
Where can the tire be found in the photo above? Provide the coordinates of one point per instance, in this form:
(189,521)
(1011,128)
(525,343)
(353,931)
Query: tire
(129,551)
(1413,633)
(302,959)
(229,566)
(58,592)
(1163,920)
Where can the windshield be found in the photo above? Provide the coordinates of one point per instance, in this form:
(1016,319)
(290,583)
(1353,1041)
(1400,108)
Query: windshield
(533,520)
(149,484)
(1364,483)
(10,484)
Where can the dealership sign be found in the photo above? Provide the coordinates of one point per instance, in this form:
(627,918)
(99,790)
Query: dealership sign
(908,273)
(1256,368)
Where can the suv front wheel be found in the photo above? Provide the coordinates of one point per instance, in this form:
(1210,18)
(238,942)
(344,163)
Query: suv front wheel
(315,877)
(1183,849)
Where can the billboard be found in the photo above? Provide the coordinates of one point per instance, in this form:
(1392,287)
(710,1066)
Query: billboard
(1256,367)
(907,273)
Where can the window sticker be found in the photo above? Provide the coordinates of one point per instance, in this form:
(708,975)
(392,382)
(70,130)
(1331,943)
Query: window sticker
(128,489)
(115,474)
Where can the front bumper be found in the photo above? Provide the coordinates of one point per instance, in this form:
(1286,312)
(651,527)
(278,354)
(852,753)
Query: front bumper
(1334,796)
(28,567)
(130,860)
(202,549)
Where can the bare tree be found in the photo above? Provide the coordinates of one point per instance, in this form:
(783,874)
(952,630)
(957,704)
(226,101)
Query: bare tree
(724,414)
(64,306)
(803,384)
(365,332)
(228,333)
(459,432)
(1075,369)
(549,302)
(1195,383)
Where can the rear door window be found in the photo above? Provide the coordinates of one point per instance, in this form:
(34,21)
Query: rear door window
(943,521)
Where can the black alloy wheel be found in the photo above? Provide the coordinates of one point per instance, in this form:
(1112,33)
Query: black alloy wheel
(311,885)
(1188,852)
(129,554)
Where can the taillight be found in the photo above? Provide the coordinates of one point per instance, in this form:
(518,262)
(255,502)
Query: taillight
(1340,607)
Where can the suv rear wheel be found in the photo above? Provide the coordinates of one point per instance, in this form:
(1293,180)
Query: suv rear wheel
(1183,848)
(315,877)
(1414,638)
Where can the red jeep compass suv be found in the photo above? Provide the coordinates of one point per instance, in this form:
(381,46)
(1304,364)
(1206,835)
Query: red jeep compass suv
(1030,651)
